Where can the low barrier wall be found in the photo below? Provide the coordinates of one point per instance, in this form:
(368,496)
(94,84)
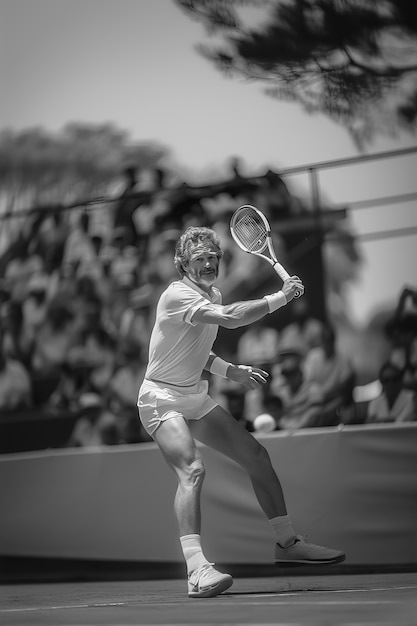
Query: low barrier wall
(353,488)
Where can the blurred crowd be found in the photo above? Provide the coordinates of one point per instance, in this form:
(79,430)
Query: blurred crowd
(311,383)
(78,293)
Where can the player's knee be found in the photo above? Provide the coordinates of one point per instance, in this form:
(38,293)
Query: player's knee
(195,473)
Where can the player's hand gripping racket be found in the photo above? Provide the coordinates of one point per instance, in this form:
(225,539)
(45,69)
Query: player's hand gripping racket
(252,232)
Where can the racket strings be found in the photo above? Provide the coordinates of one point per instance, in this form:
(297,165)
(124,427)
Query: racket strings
(251,232)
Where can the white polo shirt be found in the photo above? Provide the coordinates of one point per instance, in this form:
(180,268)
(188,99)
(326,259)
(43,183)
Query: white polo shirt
(179,348)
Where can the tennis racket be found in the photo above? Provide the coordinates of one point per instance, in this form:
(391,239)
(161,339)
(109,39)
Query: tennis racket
(251,231)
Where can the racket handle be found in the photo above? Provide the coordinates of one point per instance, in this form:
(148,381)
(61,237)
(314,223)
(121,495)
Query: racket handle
(283,274)
(281,271)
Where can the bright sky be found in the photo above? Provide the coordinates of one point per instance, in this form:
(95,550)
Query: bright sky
(133,63)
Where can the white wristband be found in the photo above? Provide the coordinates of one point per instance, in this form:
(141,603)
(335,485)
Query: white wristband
(219,367)
(276,301)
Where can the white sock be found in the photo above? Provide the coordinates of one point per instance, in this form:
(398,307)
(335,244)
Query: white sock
(283,530)
(193,554)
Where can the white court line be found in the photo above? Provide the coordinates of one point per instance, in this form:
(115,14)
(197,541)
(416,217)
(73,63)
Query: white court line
(315,602)
(63,606)
(45,608)
(297,593)
(364,590)
(230,601)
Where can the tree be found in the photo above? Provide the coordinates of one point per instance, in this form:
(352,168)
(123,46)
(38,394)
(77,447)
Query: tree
(352,60)
(42,172)
(38,167)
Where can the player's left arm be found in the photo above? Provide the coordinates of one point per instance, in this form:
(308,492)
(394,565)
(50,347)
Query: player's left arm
(250,377)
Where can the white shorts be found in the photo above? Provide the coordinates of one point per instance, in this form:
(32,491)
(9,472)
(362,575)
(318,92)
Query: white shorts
(158,402)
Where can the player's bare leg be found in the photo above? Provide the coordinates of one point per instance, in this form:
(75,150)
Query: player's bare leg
(222,432)
(178,447)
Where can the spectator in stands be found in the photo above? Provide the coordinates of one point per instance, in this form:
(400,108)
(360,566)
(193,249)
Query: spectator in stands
(15,384)
(52,343)
(19,271)
(86,301)
(50,240)
(334,373)
(235,404)
(123,273)
(258,345)
(100,266)
(304,327)
(410,375)
(80,254)
(152,205)
(401,334)
(34,307)
(4,292)
(402,331)
(65,287)
(130,199)
(93,352)
(122,392)
(394,404)
(72,383)
(135,319)
(124,265)
(302,400)
(160,257)
(14,345)
(96,426)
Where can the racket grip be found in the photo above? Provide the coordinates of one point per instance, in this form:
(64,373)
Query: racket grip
(281,271)
(283,274)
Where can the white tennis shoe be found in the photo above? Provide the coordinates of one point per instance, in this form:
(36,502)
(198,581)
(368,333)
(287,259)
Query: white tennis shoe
(207,582)
(303,552)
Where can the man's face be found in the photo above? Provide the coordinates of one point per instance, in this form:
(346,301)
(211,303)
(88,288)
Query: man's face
(203,266)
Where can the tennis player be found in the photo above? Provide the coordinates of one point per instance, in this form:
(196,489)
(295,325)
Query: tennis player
(176,409)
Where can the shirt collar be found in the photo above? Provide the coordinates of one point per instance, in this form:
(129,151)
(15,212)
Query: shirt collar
(190,283)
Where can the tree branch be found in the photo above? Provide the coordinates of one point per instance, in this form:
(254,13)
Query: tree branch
(388,72)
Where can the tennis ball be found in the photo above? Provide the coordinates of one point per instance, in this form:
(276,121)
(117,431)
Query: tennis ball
(264,423)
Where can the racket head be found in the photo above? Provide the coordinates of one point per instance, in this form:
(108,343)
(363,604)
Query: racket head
(250,229)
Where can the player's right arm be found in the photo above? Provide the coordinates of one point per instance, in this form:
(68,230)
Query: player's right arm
(232,315)
(246,312)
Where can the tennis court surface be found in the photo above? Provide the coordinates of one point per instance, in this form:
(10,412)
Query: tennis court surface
(322,600)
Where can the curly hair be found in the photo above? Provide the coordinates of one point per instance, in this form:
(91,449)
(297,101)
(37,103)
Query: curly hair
(191,237)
